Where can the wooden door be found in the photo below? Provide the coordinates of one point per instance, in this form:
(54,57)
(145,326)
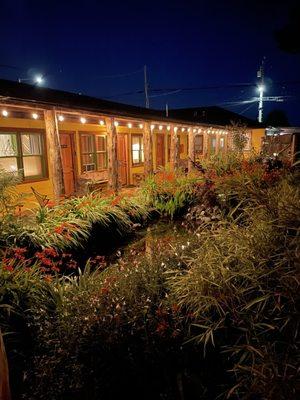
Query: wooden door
(122,158)
(67,155)
(160,150)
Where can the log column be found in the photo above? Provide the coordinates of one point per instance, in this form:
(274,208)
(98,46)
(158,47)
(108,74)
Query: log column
(113,173)
(148,149)
(54,154)
(191,149)
(174,156)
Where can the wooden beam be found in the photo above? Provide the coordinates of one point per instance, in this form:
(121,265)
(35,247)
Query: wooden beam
(148,149)
(191,150)
(112,143)
(4,375)
(54,153)
(174,155)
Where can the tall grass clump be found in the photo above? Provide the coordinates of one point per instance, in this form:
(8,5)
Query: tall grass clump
(170,192)
(242,288)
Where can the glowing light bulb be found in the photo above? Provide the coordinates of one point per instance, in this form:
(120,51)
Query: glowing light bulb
(4,113)
(194,130)
(182,129)
(160,127)
(34,115)
(82,120)
(61,118)
(152,127)
(168,127)
(129,125)
(199,130)
(141,126)
(175,128)
(116,123)
(101,122)
(189,130)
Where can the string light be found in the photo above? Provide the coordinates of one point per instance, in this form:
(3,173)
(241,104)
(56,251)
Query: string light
(4,113)
(129,125)
(141,126)
(116,123)
(34,115)
(199,130)
(175,128)
(101,122)
(82,120)
(194,130)
(61,118)
(160,127)
(189,130)
(182,129)
(152,127)
(168,127)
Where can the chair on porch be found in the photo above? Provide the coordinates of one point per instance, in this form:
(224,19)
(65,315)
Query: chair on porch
(42,199)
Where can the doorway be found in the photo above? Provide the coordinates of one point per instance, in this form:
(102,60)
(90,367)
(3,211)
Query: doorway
(67,155)
(122,158)
(160,150)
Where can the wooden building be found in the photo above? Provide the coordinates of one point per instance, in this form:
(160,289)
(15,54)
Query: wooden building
(64,143)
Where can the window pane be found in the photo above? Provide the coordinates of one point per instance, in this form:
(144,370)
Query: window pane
(9,164)
(88,162)
(100,143)
(32,166)
(199,143)
(101,160)
(31,144)
(8,145)
(135,143)
(135,156)
(87,144)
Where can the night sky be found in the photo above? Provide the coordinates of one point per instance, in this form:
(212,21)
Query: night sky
(99,48)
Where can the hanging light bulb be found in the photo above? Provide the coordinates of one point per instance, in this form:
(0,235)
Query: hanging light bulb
(168,127)
(129,125)
(199,130)
(101,122)
(61,118)
(5,113)
(116,123)
(34,115)
(141,126)
(82,120)
(160,127)
(182,129)
(175,128)
(194,130)
(152,127)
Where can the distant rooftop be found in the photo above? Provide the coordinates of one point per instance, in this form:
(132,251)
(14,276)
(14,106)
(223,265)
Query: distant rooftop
(212,115)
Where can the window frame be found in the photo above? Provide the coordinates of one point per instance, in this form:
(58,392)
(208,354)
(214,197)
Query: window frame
(95,152)
(141,149)
(200,135)
(19,156)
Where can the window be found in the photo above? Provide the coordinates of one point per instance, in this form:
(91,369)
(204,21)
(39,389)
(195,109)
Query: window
(213,143)
(137,149)
(23,152)
(93,152)
(222,143)
(199,144)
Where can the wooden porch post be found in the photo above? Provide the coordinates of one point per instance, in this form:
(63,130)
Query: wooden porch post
(174,156)
(148,148)
(54,153)
(4,375)
(113,173)
(191,149)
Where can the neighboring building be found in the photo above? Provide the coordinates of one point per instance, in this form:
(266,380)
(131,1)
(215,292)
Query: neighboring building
(62,141)
(283,142)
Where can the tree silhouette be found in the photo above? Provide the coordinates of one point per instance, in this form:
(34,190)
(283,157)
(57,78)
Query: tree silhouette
(277,118)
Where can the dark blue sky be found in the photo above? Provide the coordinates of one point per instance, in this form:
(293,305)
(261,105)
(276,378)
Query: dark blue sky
(80,44)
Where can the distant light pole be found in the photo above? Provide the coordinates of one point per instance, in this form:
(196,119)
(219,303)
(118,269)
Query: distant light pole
(261,89)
